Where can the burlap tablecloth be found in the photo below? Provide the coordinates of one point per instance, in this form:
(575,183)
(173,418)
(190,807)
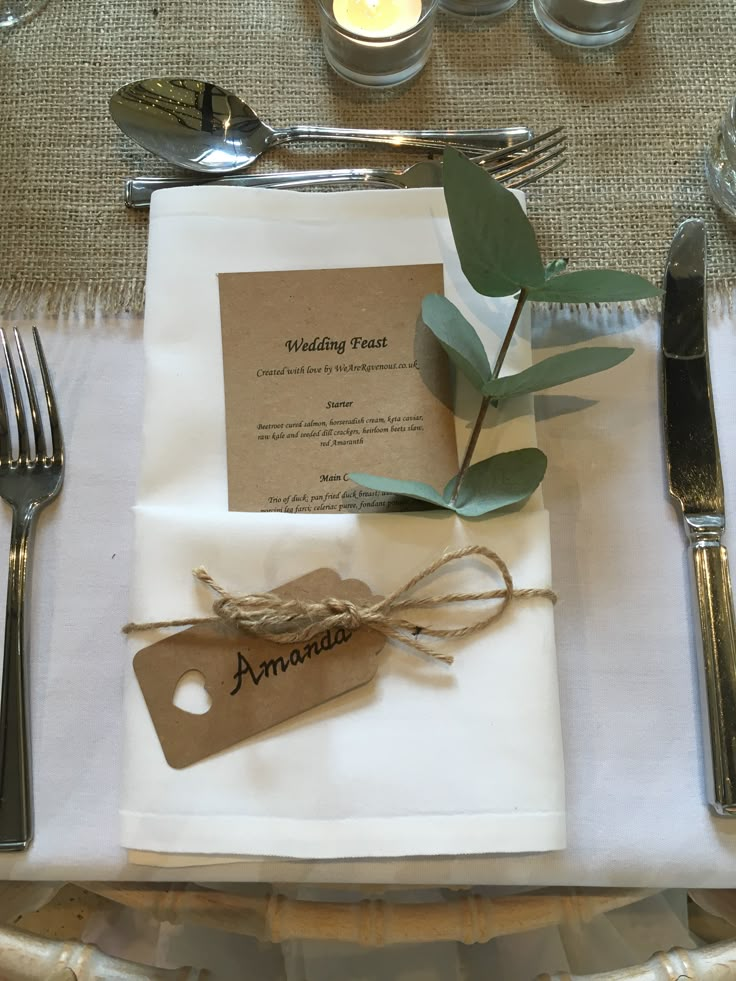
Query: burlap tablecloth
(637,116)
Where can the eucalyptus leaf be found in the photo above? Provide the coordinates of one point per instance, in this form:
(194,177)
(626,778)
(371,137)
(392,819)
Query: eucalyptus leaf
(557,370)
(407,488)
(594,286)
(499,481)
(458,338)
(494,238)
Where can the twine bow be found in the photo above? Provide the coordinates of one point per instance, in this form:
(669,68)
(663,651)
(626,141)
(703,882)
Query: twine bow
(286,620)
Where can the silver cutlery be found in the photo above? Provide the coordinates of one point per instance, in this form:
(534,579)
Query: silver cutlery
(694,472)
(523,165)
(202,127)
(31,475)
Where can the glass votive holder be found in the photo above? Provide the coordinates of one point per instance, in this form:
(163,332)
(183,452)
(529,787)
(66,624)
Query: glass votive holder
(14,12)
(476,9)
(588,23)
(377,42)
(720,162)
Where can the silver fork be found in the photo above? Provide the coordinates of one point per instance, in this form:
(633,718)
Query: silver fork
(29,479)
(516,166)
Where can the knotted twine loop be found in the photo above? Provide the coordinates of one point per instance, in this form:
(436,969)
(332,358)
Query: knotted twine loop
(287,620)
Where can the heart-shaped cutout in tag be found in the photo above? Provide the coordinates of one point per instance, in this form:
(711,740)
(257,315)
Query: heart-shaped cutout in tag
(191,695)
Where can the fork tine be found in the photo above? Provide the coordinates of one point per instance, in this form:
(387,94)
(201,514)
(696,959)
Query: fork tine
(6,446)
(57,442)
(23,442)
(514,149)
(31,393)
(515,168)
(532,178)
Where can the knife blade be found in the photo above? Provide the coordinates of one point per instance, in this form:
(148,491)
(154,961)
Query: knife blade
(695,482)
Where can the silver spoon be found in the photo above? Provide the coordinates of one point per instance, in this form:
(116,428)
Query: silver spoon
(202,127)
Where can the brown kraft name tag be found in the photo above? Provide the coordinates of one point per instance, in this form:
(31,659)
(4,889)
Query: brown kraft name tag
(253,684)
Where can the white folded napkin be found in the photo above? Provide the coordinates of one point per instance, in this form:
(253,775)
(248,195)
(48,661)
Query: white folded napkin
(427,759)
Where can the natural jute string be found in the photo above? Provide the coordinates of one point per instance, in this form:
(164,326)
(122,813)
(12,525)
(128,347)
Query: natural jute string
(286,620)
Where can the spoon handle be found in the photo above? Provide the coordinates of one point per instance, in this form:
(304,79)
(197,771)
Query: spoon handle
(138,190)
(467,140)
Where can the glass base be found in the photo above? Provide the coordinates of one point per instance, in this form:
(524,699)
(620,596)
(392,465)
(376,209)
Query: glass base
(13,14)
(476,9)
(579,39)
(385,81)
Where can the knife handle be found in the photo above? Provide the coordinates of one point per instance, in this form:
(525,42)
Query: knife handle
(717,665)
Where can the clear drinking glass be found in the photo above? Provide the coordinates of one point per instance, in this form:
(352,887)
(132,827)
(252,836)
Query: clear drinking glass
(12,13)
(380,55)
(476,8)
(720,162)
(588,23)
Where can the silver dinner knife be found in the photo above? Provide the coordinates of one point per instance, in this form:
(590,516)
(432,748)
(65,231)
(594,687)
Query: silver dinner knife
(694,472)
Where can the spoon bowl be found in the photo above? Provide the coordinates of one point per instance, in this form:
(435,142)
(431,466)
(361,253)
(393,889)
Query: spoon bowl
(196,125)
(202,127)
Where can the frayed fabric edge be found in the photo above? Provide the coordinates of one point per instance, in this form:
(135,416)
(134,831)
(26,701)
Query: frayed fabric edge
(721,301)
(34,298)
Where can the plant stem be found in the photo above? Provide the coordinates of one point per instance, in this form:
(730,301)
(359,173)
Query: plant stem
(509,334)
(486,400)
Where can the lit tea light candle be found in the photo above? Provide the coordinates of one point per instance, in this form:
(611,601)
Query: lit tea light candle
(377,18)
(377,42)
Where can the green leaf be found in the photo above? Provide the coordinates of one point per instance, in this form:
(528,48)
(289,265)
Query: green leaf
(554,268)
(492,484)
(557,370)
(494,238)
(407,488)
(594,286)
(499,481)
(458,338)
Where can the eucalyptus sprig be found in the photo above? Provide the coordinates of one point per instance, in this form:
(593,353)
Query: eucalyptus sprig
(499,256)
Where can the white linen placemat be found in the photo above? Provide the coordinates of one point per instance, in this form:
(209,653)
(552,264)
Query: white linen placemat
(425,761)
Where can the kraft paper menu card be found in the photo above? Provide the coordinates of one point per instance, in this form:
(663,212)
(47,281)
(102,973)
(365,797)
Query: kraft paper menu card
(330,371)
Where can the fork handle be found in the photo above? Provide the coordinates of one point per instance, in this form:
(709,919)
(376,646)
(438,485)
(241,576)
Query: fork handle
(138,190)
(16,793)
